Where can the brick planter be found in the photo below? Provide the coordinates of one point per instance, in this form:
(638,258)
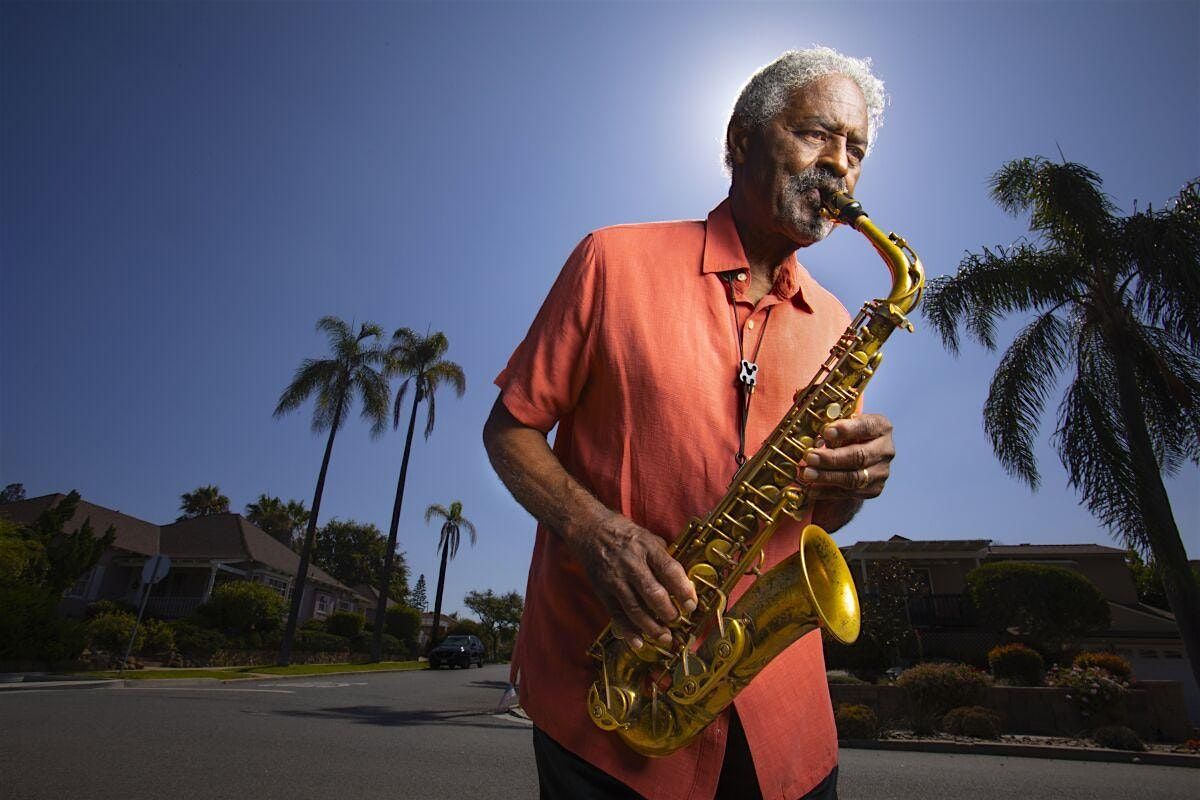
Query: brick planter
(1154,709)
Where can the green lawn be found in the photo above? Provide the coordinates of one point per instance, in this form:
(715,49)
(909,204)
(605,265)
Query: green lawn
(228,673)
(320,669)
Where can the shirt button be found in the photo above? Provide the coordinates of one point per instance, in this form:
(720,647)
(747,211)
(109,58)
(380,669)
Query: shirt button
(750,324)
(741,276)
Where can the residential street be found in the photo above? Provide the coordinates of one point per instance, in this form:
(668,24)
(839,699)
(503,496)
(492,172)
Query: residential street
(406,735)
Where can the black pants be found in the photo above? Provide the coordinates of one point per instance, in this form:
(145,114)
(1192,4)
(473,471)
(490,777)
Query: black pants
(562,775)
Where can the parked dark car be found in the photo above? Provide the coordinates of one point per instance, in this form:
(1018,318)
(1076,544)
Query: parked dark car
(457,651)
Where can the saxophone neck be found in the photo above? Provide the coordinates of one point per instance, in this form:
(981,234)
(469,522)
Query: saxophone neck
(908,274)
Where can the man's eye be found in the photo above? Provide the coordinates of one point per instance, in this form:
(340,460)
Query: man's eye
(815,136)
(857,154)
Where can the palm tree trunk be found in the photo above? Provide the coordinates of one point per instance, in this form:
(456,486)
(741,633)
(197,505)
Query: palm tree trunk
(285,647)
(1166,545)
(389,554)
(437,603)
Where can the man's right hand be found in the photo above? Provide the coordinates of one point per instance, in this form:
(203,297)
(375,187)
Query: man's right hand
(634,576)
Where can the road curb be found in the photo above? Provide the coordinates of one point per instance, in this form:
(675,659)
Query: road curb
(28,686)
(1025,751)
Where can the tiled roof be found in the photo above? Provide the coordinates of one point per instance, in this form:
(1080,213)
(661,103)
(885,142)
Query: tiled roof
(132,534)
(230,536)
(916,547)
(1053,550)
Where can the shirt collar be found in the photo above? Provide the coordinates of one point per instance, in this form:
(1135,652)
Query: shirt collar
(723,252)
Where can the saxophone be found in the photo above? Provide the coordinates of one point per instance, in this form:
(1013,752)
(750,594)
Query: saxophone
(659,697)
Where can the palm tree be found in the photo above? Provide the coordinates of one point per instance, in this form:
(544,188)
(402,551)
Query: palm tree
(419,360)
(448,544)
(1116,301)
(281,520)
(335,381)
(202,502)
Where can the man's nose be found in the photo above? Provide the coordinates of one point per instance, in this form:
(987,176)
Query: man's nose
(834,157)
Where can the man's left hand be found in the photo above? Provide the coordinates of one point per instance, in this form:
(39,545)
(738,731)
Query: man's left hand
(854,461)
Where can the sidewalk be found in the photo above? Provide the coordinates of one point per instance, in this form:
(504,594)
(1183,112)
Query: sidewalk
(986,748)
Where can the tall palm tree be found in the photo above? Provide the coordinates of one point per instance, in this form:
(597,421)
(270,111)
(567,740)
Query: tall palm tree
(1116,301)
(419,359)
(355,368)
(202,502)
(452,525)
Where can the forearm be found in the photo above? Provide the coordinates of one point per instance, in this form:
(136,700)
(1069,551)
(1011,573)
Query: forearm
(536,478)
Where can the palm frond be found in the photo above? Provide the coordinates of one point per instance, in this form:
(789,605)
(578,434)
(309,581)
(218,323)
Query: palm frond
(1163,250)
(1091,442)
(1064,200)
(312,375)
(1168,377)
(993,283)
(1020,386)
(438,510)
(446,372)
(430,412)
(400,393)
(374,392)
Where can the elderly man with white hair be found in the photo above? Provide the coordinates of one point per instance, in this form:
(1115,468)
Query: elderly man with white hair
(635,356)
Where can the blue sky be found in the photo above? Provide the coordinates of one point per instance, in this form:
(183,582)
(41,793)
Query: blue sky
(187,189)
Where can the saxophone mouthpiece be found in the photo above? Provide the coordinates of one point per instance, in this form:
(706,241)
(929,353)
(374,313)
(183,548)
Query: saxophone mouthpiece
(842,208)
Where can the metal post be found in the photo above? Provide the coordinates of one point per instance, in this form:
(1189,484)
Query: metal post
(145,596)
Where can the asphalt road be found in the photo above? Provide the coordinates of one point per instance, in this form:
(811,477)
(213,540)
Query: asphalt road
(408,735)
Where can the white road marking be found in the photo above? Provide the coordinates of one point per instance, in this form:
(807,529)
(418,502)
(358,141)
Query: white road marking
(316,684)
(204,689)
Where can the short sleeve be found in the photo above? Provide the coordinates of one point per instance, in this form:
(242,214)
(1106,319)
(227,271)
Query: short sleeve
(548,370)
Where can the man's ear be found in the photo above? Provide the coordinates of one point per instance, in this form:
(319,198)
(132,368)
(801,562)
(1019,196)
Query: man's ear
(737,141)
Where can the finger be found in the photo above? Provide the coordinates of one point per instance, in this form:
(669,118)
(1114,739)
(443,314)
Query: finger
(852,456)
(642,618)
(861,428)
(670,573)
(862,482)
(622,628)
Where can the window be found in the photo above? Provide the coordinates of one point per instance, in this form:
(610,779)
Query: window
(277,585)
(322,604)
(81,586)
(344,605)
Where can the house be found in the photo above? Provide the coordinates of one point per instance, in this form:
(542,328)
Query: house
(204,552)
(370,601)
(1147,636)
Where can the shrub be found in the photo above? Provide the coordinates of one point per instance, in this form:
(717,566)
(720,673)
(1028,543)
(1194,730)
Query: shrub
(1049,605)
(934,689)
(31,629)
(239,607)
(1017,665)
(856,722)
(317,641)
(362,643)
(157,636)
(1094,691)
(313,624)
(1109,662)
(110,632)
(196,642)
(109,607)
(974,721)
(1118,737)
(842,677)
(345,623)
(403,622)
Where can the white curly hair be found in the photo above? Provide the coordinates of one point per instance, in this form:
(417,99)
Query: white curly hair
(768,90)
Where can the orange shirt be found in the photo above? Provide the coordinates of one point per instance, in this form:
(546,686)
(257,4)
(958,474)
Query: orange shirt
(634,356)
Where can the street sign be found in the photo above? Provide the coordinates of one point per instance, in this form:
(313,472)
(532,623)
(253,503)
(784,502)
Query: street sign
(156,569)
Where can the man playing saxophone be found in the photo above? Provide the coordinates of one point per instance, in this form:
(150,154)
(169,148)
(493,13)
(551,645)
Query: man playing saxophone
(665,353)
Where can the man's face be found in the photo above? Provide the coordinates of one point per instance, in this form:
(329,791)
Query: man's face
(814,146)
